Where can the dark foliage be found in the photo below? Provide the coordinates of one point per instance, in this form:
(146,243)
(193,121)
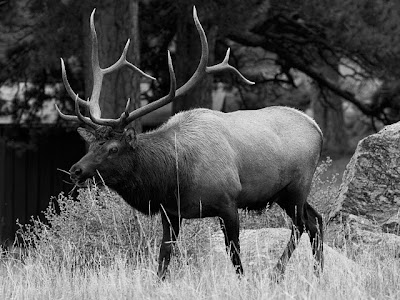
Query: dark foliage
(306,36)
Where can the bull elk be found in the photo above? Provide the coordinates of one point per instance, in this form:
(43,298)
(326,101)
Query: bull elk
(202,163)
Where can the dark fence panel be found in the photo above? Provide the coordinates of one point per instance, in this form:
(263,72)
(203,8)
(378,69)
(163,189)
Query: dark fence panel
(29,159)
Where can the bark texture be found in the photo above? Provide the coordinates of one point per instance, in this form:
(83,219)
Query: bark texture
(187,58)
(115,22)
(328,113)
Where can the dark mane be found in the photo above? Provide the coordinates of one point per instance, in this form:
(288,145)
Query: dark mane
(107,133)
(150,173)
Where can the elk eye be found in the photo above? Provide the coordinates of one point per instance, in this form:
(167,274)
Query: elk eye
(113,150)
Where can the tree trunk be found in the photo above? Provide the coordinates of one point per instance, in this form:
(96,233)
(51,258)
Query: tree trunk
(328,113)
(115,21)
(187,58)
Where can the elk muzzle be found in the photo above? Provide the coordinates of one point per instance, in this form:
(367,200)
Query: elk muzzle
(77,174)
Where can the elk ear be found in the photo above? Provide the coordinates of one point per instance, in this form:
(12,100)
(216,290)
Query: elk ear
(87,135)
(130,136)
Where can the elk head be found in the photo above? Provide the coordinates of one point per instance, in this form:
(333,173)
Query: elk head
(110,140)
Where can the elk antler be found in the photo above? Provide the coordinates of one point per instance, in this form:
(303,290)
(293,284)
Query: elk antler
(98,74)
(126,117)
(200,72)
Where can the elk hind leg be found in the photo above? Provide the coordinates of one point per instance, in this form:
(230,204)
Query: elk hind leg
(229,222)
(314,226)
(295,212)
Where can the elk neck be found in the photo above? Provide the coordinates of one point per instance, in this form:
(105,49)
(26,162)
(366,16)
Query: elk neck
(151,175)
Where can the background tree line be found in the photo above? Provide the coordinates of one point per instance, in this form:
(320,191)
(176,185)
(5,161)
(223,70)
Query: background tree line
(317,38)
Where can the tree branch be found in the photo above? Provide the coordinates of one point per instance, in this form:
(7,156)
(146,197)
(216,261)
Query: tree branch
(266,42)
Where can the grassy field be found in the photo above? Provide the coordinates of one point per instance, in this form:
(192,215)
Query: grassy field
(97,248)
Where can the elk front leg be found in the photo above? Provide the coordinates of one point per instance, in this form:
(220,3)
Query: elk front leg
(171,225)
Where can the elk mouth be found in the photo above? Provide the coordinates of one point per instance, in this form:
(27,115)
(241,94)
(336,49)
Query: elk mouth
(79,182)
(82,183)
(87,181)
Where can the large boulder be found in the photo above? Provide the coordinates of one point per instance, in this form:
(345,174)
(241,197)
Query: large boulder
(371,182)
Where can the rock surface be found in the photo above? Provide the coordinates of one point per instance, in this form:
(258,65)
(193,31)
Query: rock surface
(371,182)
(261,249)
(359,235)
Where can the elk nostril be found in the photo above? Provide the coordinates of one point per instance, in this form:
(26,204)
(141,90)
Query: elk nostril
(77,171)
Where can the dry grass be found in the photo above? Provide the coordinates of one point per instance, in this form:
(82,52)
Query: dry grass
(97,248)
(200,275)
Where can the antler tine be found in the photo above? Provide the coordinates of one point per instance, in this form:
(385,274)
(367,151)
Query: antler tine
(224,65)
(126,112)
(201,68)
(124,115)
(78,118)
(160,102)
(82,118)
(122,61)
(94,106)
(98,74)
(70,91)
(64,116)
